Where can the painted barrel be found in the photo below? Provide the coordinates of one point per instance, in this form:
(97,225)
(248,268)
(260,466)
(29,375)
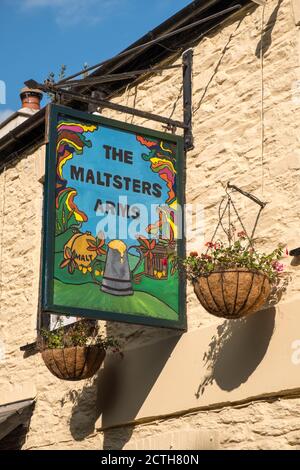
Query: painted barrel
(156,267)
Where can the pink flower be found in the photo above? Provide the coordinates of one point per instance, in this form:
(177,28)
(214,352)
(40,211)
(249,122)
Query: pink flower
(279,267)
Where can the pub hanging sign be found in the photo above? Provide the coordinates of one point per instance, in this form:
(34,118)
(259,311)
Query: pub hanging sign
(112,224)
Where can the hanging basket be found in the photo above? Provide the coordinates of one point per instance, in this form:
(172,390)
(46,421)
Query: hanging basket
(74,363)
(233,293)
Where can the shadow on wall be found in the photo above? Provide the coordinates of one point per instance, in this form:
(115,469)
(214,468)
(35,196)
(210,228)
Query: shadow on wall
(295,261)
(266,40)
(237,349)
(16,438)
(97,396)
(115,395)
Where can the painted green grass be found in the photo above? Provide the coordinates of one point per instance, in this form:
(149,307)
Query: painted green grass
(90,296)
(164,290)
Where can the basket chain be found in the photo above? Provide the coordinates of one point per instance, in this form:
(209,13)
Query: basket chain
(230,204)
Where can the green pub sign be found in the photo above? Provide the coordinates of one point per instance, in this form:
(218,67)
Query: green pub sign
(113,222)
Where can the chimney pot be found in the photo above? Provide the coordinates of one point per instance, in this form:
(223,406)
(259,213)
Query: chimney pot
(31,98)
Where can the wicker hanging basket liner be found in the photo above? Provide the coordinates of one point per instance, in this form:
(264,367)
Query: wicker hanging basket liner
(233,293)
(75,363)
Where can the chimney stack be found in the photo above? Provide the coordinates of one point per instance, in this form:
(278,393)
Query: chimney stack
(31,98)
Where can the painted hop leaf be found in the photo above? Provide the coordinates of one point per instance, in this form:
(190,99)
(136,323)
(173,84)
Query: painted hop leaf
(97,245)
(69,260)
(147,246)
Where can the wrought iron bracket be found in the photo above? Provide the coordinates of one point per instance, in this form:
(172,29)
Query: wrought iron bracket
(100,103)
(97,100)
(30,348)
(187,60)
(249,195)
(99,96)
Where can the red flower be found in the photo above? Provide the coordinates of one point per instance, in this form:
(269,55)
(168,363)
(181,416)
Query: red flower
(194,254)
(242,234)
(165,262)
(210,244)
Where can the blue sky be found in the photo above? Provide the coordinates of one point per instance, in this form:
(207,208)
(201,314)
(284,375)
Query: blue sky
(38,36)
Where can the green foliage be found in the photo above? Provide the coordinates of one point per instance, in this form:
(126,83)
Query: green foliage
(51,79)
(85,67)
(62,72)
(53,339)
(80,333)
(65,219)
(238,255)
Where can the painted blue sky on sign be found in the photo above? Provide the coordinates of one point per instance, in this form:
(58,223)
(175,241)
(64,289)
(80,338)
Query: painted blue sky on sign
(94,158)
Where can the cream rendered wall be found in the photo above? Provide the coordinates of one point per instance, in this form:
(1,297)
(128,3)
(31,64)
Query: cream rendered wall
(296,11)
(227,91)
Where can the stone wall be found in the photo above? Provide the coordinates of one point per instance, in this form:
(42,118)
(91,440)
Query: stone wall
(233,70)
